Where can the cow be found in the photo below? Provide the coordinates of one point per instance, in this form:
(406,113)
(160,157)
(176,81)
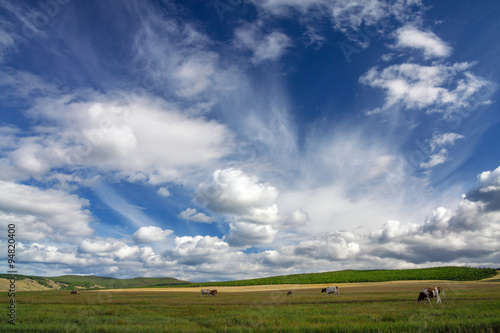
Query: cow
(75,292)
(331,290)
(213,292)
(428,293)
(205,292)
(290,292)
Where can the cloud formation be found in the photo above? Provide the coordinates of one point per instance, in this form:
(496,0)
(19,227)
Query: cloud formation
(426,41)
(437,88)
(192,215)
(44,214)
(150,234)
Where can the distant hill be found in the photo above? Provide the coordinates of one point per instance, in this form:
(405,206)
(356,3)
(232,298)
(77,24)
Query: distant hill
(354,276)
(69,282)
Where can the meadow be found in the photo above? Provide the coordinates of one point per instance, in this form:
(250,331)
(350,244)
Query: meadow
(361,307)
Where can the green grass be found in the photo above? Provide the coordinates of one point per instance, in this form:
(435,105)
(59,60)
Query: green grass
(350,276)
(468,307)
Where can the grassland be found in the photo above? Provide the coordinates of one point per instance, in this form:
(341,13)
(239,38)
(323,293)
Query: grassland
(362,307)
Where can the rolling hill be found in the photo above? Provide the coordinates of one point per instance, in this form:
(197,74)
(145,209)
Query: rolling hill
(69,282)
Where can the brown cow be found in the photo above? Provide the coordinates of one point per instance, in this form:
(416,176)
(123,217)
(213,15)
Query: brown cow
(75,292)
(290,292)
(428,293)
(213,292)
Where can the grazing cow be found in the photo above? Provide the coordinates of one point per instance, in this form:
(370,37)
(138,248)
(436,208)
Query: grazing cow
(75,292)
(290,292)
(428,293)
(205,292)
(213,292)
(331,290)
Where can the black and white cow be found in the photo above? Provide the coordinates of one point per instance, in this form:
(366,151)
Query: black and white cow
(428,293)
(331,290)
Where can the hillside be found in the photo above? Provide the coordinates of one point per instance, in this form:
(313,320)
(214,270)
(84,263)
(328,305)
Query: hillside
(68,282)
(354,276)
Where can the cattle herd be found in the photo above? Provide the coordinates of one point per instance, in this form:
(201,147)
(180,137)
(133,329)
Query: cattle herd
(425,294)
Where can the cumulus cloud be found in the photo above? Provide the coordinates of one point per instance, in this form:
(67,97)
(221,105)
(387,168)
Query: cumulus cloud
(164,192)
(248,204)
(243,234)
(440,88)
(192,215)
(487,190)
(469,233)
(44,214)
(150,234)
(200,250)
(42,253)
(233,191)
(426,41)
(103,133)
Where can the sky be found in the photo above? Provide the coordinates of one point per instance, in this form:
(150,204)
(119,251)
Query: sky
(228,139)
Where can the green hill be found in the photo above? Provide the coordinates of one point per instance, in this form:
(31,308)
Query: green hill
(353,276)
(68,282)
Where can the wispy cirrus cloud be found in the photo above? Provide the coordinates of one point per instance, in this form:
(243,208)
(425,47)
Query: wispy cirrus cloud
(263,46)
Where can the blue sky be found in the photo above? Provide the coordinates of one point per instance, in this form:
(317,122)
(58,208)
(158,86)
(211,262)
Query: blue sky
(218,140)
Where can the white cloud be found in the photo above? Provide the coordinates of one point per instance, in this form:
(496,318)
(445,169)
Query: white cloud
(427,41)
(487,190)
(164,192)
(438,152)
(191,214)
(150,234)
(243,234)
(44,214)
(263,46)
(104,133)
(178,60)
(52,255)
(436,87)
(233,191)
(344,14)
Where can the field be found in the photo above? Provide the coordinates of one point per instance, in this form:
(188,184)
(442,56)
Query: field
(361,307)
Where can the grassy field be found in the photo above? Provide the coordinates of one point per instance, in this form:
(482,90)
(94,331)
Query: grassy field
(362,307)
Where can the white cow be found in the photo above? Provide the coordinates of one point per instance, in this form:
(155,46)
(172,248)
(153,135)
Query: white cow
(205,292)
(331,290)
